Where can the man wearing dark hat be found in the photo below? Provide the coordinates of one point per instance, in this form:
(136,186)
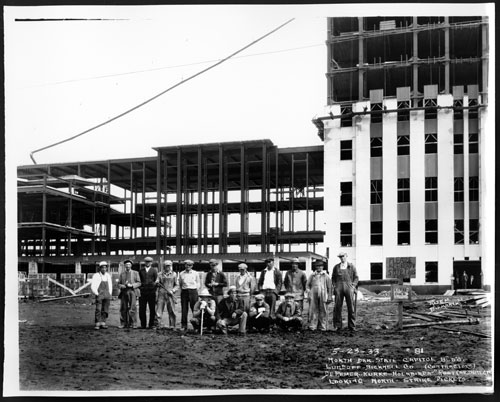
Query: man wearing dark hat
(189,282)
(129,284)
(206,304)
(258,317)
(289,314)
(270,284)
(167,284)
(319,287)
(295,282)
(215,281)
(231,313)
(245,286)
(148,275)
(345,282)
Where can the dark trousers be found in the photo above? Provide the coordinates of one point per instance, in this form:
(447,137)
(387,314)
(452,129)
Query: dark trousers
(101,309)
(189,297)
(293,323)
(344,290)
(261,323)
(270,298)
(128,316)
(148,298)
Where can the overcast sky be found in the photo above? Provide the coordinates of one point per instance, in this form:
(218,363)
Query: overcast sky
(64,77)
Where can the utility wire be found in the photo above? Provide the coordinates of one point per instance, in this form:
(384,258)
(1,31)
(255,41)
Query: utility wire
(158,95)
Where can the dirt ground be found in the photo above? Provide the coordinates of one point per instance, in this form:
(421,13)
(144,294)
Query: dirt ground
(60,350)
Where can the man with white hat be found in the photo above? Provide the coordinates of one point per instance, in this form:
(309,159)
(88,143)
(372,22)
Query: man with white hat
(102,288)
(167,283)
(295,282)
(215,281)
(231,313)
(148,276)
(129,284)
(245,286)
(189,283)
(205,304)
(345,282)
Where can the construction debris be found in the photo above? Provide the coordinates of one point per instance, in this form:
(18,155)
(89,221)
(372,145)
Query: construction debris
(64,297)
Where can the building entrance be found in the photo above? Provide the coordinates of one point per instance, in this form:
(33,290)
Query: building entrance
(467,274)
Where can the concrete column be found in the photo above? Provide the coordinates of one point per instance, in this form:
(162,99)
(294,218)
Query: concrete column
(309,269)
(78,267)
(466,179)
(32,267)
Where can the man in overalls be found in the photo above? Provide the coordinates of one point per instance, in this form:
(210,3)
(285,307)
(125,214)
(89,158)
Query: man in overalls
(102,288)
(345,282)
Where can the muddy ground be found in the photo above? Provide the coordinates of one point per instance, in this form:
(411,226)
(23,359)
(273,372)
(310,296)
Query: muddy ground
(60,350)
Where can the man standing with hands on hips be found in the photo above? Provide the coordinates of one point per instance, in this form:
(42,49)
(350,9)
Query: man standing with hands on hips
(345,282)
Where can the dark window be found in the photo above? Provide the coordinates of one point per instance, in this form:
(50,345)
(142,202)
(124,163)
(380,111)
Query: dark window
(345,150)
(346,234)
(431,231)
(404,110)
(431,271)
(431,189)
(459,231)
(376,115)
(403,190)
(346,116)
(473,143)
(375,146)
(473,231)
(458,144)
(474,188)
(458,111)
(376,192)
(459,189)
(473,108)
(430,109)
(376,233)
(431,143)
(403,233)
(376,271)
(404,145)
(346,193)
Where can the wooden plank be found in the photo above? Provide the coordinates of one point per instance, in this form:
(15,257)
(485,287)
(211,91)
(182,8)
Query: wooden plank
(481,335)
(421,317)
(82,287)
(61,285)
(442,323)
(64,297)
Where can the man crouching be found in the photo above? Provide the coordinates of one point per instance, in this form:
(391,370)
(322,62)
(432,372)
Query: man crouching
(231,312)
(205,305)
(289,314)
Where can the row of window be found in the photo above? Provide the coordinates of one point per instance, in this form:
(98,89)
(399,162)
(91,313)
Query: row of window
(431,190)
(403,145)
(431,271)
(403,236)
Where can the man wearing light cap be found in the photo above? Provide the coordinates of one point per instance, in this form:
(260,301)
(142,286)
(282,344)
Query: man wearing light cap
(289,314)
(189,283)
(319,287)
(258,317)
(148,276)
(345,282)
(295,282)
(167,284)
(231,313)
(102,288)
(129,284)
(245,286)
(215,281)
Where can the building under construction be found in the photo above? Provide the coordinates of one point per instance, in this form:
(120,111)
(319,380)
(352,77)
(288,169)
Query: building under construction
(405,144)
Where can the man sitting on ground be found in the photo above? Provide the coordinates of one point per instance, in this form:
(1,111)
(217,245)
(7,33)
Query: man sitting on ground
(231,313)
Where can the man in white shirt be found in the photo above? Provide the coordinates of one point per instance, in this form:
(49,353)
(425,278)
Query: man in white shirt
(102,288)
(189,282)
(270,284)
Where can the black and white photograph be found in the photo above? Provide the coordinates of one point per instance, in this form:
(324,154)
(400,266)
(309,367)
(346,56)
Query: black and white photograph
(239,199)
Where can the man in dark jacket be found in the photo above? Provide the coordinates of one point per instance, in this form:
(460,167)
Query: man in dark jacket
(289,314)
(270,284)
(215,281)
(258,316)
(231,313)
(148,275)
(344,282)
(129,284)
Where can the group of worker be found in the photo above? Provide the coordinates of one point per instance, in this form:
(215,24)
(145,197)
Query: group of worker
(213,311)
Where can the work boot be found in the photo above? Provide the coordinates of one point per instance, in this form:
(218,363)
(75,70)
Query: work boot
(103,325)
(97,325)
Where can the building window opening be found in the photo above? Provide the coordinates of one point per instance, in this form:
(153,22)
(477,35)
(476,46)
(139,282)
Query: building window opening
(459,231)
(345,193)
(376,192)
(431,144)
(430,109)
(403,233)
(473,231)
(473,108)
(431,271)
(376,271)
(376,233)
(431,231)
(474,188)
(473,143)
(345,234)
(376,113)
(345,115)
(403,190)
(431,189)
(403,145)
(376,147)
(458,144)
(404,110)
(346,150)
(459,189)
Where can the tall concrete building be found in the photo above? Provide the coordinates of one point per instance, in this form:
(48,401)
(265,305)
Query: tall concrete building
(404,146)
